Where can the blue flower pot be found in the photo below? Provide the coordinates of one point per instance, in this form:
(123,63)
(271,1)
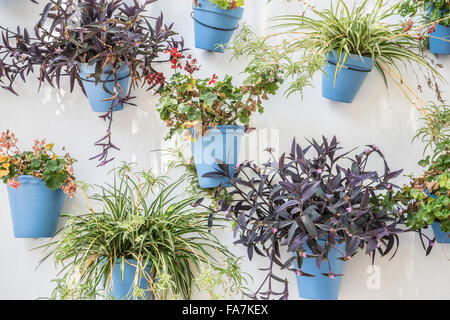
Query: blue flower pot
(35,209)
(441,236)
(222,143)
(440,40)
(348,80)
(321,287)
(122,289)
(213,26)
(96,93)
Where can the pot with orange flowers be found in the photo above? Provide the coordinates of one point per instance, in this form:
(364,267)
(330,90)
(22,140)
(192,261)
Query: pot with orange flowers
(212,113)
(37,183)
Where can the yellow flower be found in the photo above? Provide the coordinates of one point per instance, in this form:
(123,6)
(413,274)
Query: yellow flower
(4,172)
(49,146)
(54,156)
(6,165)
(3,158)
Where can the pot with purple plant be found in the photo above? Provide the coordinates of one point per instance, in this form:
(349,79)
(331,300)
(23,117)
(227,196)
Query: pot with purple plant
(319,204)
(105,47)
(212,113)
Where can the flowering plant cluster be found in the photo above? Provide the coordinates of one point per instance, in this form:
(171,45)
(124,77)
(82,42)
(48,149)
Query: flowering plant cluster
(42,162)
(187,102)
(303,201)
(225,4)
(104,33)
(426,199)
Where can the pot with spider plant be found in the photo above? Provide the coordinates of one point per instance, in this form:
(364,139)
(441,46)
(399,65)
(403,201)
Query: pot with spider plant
(212,113)
(38,181)
(425,200)
(106,47)
(437,15)
(344,43)
(140,240)
(318,203)
(352,42)
(215,21)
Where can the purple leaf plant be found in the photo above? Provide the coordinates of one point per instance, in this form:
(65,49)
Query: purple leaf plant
(101,32)
(312,198)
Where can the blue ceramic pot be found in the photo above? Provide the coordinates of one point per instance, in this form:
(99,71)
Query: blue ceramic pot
(35,209)
(222,143)
(440,40)
(96,94)
(348,80)
(122,288)
(213,26)
(441,236)
(321,287)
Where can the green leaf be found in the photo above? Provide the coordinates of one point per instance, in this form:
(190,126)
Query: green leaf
(55,181)
(208,98)
(53,165)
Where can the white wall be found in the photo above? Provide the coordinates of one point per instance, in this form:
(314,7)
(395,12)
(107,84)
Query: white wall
(379,116)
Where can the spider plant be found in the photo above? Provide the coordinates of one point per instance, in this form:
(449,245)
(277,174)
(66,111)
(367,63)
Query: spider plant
(141,218)
(339,29)
(358,31)
(437,128)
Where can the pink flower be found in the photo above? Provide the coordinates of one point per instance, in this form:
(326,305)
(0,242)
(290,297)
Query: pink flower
(349,209)
(332,276)
(70,170)
(69,188)
(304,254)
(298,272)
(13,183)
(408,25)
(275,230)
(38,146)
(7,140)
(319,171)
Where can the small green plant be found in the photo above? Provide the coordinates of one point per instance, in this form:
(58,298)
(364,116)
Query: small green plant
(437,128)
(179,160)
(171,235)
(225,4)
(42,162)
